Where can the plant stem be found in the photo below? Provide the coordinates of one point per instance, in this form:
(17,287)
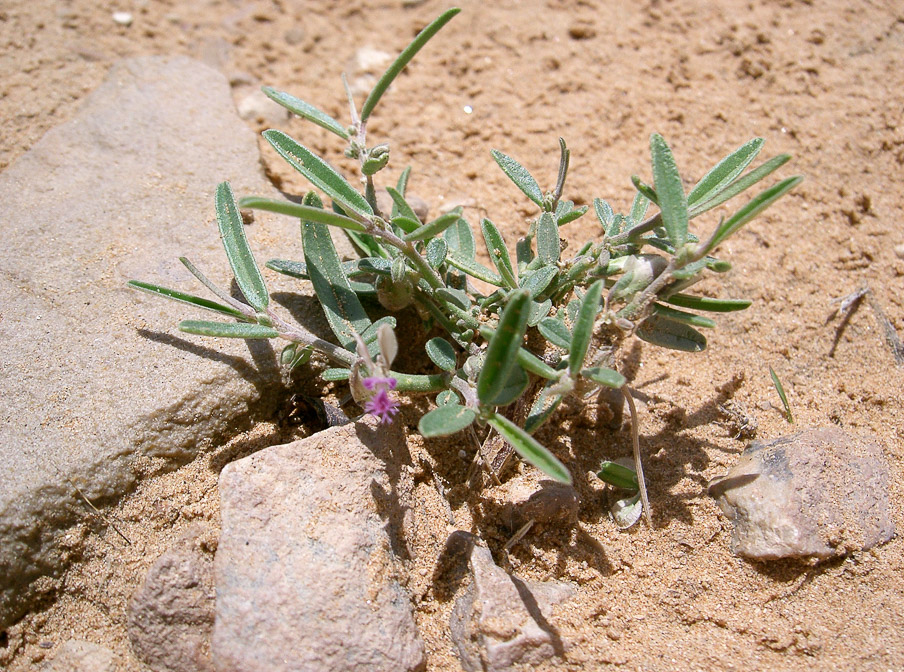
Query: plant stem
(638,465)
(643,227)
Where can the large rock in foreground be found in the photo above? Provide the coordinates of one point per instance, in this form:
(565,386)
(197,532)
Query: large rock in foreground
(819,493)
(306,571)
(90,375)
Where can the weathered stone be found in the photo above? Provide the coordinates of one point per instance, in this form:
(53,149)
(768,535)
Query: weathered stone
(254,105)
(500,620)
(79,656)
(820,493)
(519,501)
(307,567)
(171,615)
(93,374)
(365,67)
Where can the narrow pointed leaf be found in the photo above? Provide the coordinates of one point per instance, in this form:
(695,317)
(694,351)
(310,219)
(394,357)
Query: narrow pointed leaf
(538,311)
(460,239)
(741,184)
(555,332)
(530,449)
(433,228)
(645,189)
(603,376)
(639,208)
(542,409)
(221,294)
(332,375)
(583,327)
(514,387)
(685,318)
(232,231)
(306,111)
(498,252)
(527,360)
(725,172)
(319,172)
(706,303)
(403,59)
(441,353)
(667,182)
(537,281)
(401,206)
(475,269)
(756,205)
(604,213)
(227,329)
(446,420)
(548,247)
(502,351)
(519,175)
(340,304)
(670,334)
(781,395)
(303,211)
(406,224)
(182,297)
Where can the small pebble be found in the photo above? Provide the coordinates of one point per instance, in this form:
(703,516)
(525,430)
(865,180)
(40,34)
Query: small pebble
(122,18)
(899,251)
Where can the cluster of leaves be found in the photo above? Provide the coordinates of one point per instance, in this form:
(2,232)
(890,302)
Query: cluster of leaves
(633,280)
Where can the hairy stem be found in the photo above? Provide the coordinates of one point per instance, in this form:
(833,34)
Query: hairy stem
(638,465)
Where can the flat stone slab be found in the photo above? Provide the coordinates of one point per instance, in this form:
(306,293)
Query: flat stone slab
(818,493)
(93,374)
(307,571)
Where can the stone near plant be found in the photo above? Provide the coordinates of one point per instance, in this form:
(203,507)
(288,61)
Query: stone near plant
(171,615)
(520,500)
(818,493)
(306,569)
(76,655)
(501,621)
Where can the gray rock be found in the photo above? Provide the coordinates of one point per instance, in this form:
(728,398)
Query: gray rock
(79,656)
(306,566)
(364,69)
(500,620)
(92,374)
(171,615)
(253,105)
(820,493)
(519,501)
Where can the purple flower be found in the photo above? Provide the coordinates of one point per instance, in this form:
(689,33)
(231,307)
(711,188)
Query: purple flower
(380,405)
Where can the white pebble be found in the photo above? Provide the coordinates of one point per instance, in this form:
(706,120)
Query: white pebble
(122,18)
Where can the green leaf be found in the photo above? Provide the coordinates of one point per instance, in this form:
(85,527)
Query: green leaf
(725,172)
(333,375)
(519,175)
(341,306)
(227,329)
(474,269)
(667,182)
(530,449)
(403,59)
(537,281)
(706,303)
(670,334)
(433,228)
(514,387)
(548,246)
(741,184)
(527,360)
(319,172)
(460,239)
(583,327)
(402,206)
(538,311)
(502,352)
(447,397)
(441,353)
(182,297)
(301,211)
(639,208)
(232,231)
(618,476)
(306,111)
(555,332)
(454,296)
(446,420)
(499,254)
(645,189)
(406,224)
(781,395)
(567,213)
(605,214)
(603,376)
(542,409)
(436,252)
(683,317)
(756,205)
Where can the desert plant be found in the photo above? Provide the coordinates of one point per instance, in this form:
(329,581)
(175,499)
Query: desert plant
(631,281)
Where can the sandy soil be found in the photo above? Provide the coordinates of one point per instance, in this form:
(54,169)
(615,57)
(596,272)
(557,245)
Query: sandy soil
(820,79)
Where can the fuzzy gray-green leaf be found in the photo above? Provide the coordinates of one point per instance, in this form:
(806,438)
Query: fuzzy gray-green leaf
(583,327)
(670,334)
(530,449)
(446,420)
(433,228)
(436,252)
(319,172)
(441,353)
(499,254)
(232,231)
(603,376)
(302,211)
(548,247)
(182,297)
(227,329)
(707,303)
(537,281)
(502,352)
(667,182)
(618,475)
(542,409)
(401,206)
(555,332)
(725,172)
(685,318)
(519,175)
(460,239)
(740,184)
(306,111)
